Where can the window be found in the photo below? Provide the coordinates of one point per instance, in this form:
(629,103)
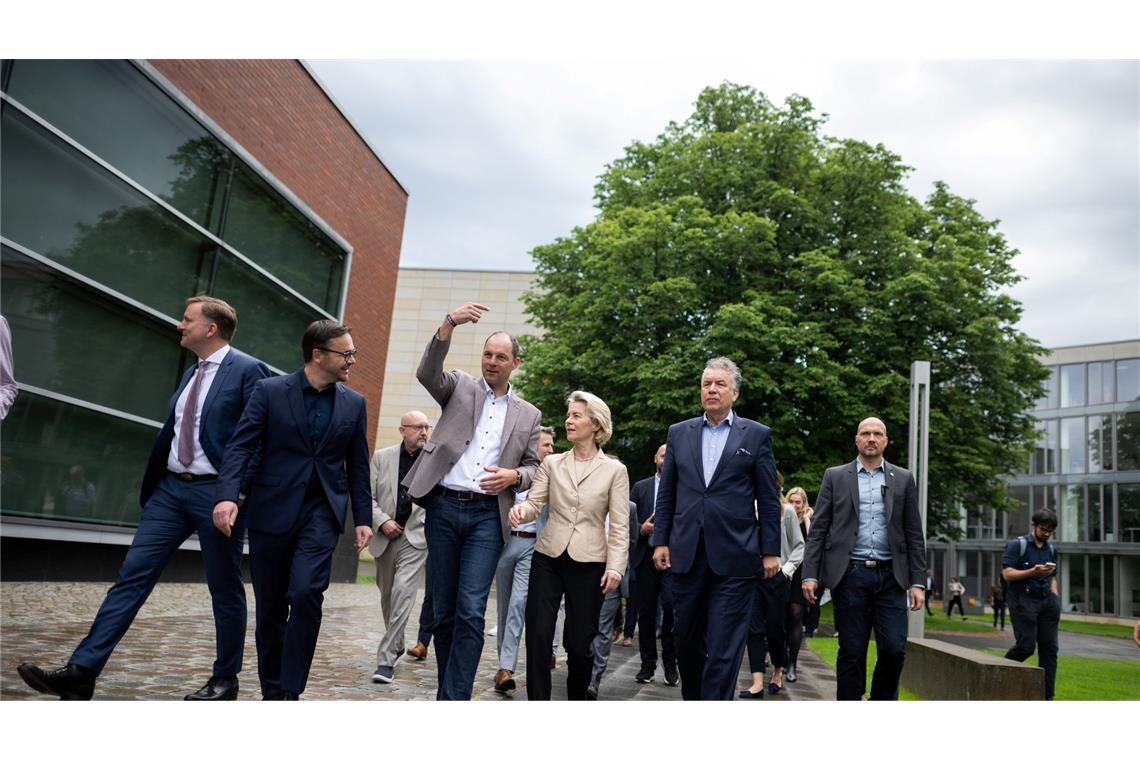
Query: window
(1072,573)
(67,462)
(1072,514)
(1072,385)
(1017,523)
(1128,441)
(1100,443)
(73,340)
(1100,383)
(1072,453)
(1048,445)
(1129,496)
(1051,398)
(1095,532)
(1128,379)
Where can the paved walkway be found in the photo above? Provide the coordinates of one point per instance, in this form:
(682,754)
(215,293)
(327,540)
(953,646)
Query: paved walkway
(169,650)
(1072,644)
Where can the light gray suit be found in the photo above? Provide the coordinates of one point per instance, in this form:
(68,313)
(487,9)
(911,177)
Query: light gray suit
(398,561)
(460,397)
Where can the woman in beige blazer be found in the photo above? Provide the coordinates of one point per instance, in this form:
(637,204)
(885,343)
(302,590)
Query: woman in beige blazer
(578,555)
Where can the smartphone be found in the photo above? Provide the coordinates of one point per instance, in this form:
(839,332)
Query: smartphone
(1049,564)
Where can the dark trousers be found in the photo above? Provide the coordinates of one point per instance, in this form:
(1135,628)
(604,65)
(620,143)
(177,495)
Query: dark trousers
(290,574)
(427,622)
(1035,618)
(632,608)
(999,609)
(653,586)
(766,634)
(811,614)
(926,601)
(174,512)
(550,578)
(869,598)
(711,614)
(950,607)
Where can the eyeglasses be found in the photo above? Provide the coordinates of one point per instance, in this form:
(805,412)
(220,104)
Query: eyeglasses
(416,427)
(346,355)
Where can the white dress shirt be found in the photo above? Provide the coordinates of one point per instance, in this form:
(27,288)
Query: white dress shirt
(483,451)
(201,464)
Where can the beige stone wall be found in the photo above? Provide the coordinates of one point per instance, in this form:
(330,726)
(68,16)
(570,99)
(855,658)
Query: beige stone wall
(423,296)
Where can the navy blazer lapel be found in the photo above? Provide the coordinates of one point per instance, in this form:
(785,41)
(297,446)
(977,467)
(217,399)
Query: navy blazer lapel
(297,405)
(695,442)
(735,434)
(216,386)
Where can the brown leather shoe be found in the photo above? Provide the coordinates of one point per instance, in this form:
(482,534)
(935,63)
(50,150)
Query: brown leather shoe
(419,651)
(504,681)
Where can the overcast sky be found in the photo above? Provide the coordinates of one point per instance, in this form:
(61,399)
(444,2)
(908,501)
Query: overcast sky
(501,157)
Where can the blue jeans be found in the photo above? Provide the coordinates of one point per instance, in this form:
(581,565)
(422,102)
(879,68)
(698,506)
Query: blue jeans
(511,581)
(174,512)
(464,541)
(869,598)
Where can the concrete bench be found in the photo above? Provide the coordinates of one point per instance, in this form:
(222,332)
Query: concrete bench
(938,670)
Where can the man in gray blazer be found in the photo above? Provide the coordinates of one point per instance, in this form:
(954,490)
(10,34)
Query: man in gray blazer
(484,449)
(866,544)
(398,542)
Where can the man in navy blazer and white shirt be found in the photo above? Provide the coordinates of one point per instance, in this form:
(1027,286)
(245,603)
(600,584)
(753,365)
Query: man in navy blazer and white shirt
(717,526)
(177,497)
(311,432)
(866,544)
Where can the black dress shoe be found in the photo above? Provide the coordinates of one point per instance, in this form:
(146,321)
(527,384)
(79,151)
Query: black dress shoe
(645,675)
(790,673)
(217,689)
(68,683)
(746,694)
(671,674)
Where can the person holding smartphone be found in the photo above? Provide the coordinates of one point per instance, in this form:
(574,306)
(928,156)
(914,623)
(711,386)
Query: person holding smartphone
(1029,566)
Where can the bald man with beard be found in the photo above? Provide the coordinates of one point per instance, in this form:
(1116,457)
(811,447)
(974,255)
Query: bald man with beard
(398,542)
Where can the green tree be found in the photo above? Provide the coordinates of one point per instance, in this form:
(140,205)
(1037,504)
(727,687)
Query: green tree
(745,231)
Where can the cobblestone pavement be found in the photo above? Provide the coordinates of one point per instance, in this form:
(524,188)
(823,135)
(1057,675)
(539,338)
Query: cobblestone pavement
(169,650)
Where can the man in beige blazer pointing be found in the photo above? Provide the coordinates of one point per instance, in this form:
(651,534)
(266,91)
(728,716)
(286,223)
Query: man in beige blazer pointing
(483,450)
(398,541)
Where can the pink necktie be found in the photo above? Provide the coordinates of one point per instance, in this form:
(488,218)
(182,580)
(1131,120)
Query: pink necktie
(189,418)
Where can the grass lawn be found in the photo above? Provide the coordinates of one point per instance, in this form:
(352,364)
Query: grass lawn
(828,649)
(1088,678)
(1114,630)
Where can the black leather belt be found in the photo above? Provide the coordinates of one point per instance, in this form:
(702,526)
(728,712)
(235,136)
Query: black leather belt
(467,495)
(189,476)
(870,563)
(523,534)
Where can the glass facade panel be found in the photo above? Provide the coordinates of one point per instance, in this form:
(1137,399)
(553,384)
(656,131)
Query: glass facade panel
(1108,512)
(270,322)
(1017,522)
(1109,586)
(73,211)
(1096,442)
(1052,396)
(1072,453)
(64,337)
(1095,531)
(272,233)
(1128,441)
(1128,496)
(115,111)
(1073,579)
(1072,385)
(1048,445)
(1100,382)
(1096,576)
(1072,515)
(1128,379)
(65,462)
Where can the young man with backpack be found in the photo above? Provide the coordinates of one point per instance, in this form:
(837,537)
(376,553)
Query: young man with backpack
(1029,566)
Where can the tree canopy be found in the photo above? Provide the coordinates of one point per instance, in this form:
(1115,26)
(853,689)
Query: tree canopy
(747,232)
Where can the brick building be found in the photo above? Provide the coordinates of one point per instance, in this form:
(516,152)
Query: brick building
(126,187)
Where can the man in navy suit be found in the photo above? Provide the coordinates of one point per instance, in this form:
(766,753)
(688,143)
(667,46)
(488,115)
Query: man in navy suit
(177,498)
(652,584)
(717,526)
(311,433)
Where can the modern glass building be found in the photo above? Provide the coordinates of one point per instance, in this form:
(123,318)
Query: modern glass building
(119,198)
(1086,468)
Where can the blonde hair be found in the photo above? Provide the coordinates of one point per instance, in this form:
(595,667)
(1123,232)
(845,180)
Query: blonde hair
(802,493)
(598,413)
